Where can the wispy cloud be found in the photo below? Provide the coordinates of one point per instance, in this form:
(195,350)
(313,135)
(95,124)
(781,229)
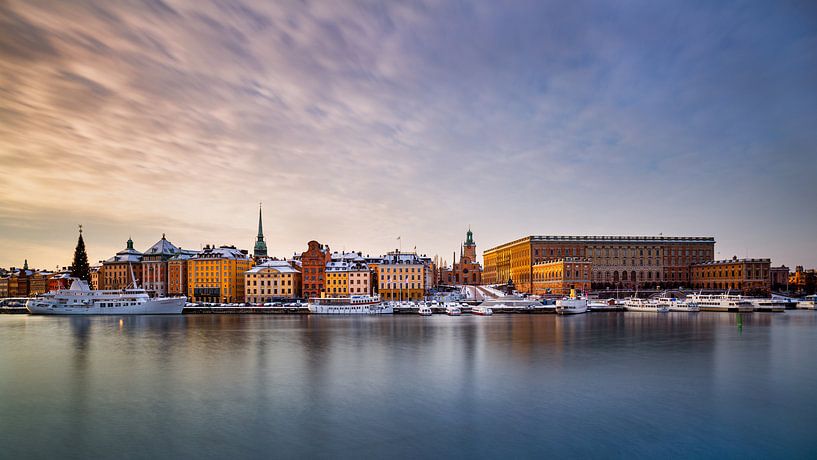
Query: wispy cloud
(359,122)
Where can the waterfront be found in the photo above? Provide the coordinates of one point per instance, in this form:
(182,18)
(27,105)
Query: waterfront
(598,385)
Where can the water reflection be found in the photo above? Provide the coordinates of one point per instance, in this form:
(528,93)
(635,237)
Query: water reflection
(407,386)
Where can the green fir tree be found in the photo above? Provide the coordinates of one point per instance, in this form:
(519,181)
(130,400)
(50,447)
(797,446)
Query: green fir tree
(80,267)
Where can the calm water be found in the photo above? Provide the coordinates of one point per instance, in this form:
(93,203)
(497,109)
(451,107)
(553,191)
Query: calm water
(597,385)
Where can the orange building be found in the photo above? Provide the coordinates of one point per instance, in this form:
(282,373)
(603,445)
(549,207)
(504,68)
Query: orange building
(38,283)
(736,274)
(122,270)
(803,280)
(559,276)
(177,273)
(217,274)
(617,261)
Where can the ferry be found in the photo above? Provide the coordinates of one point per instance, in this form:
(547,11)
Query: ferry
(809,303)
(645,305)
(425,310)
(481,310)
(722,302)
(571,305)
(676,304)
(79,299)
(352,305)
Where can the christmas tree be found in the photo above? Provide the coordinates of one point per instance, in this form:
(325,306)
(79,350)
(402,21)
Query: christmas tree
(80,268)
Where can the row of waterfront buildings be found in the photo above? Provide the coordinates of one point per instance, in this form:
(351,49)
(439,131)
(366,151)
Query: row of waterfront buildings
(538,265)
(226,274)
(554,264)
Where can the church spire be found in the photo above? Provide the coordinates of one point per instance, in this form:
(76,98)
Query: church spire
(260,225)
(260,249)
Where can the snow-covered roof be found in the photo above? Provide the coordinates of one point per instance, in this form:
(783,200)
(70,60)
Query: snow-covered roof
(401,258)
(281,266)
(127,255)
(162,247)
(223,252)
(348,256)
(184,254)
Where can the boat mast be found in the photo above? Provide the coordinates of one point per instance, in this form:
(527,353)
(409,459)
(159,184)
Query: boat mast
(132,276)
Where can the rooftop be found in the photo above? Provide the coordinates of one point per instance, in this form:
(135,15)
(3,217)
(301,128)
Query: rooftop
(606,239)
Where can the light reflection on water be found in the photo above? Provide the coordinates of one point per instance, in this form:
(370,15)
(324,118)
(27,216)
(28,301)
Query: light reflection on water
(598,385)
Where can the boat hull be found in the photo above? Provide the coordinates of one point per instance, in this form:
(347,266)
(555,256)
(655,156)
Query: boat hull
(682,309)
(648,309)
(161,306)
(570,311)
(369,309)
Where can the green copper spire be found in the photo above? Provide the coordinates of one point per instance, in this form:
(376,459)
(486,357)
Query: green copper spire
(130,243)
(260,249)
(469,238)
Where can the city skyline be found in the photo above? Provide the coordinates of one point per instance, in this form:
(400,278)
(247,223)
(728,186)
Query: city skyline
(358,125)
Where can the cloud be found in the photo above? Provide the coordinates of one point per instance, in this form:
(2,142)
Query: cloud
(357,124)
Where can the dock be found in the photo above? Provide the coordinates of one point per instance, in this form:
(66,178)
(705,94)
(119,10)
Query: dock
(223,309)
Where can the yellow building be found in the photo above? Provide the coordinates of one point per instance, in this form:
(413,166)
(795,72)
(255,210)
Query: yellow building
(402,276)
(273,280)
(337,280)
(617,261)
(559,276)
(737,274)
(216,275)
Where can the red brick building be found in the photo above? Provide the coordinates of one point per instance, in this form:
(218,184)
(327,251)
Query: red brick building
(313,269)
(467,270)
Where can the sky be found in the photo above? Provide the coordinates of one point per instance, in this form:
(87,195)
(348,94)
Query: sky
(358,122)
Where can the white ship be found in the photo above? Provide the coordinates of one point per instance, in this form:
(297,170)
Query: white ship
(353,305)
(452,309)
(571,305)
(761,304)
(676,304)
(425,310)
(481,310)
(721,302)
(81,300)
(809,303)
(645,305)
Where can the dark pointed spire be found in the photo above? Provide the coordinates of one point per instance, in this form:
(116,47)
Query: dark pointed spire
(260,249)
(260,225)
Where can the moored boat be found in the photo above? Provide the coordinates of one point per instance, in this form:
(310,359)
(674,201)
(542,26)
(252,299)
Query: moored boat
(481,310)
(424,310)
(644,305)
(352,305)
(571,305)
(79,299)
(809,303)
(722,302)
(676,304)
(452,309)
